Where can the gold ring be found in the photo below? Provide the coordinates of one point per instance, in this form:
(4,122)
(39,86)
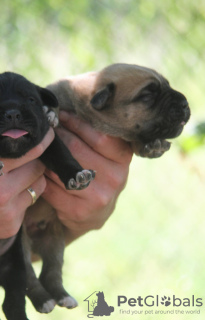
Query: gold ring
(33,195)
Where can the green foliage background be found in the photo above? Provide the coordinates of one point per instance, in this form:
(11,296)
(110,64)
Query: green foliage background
(154,241)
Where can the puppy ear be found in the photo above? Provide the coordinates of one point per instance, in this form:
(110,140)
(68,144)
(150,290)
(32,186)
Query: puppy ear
(48,97)
(102,98)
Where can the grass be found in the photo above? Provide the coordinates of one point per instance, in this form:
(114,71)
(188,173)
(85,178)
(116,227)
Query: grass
(151,245)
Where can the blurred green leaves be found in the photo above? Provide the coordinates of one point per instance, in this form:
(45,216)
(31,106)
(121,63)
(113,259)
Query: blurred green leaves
(48,39)
(194,140)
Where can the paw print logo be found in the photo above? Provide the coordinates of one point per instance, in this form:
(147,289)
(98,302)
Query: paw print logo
(166,301)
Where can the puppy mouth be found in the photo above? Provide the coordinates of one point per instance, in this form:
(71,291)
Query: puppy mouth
(162,131)
(15,133)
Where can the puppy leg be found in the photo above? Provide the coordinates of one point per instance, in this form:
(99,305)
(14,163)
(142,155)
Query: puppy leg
(154,149)
(51,115)
(52,256)
(59,159)
(14,281)
(39,297)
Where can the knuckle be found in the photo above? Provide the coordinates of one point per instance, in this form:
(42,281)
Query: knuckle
(5,197)
(11,221)
(81,215)
(9,218)
(37,168)
(103,140)
(102,199)
(118,179)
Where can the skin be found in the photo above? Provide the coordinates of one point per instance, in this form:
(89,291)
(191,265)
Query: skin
(14,198)
(79,211)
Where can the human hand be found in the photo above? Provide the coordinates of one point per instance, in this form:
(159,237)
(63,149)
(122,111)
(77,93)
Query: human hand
(81,211)
(20,174)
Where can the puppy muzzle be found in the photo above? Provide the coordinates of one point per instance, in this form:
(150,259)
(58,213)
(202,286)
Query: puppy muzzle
(173,113)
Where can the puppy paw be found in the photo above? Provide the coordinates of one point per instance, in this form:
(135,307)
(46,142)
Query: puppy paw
(155,149)
(47,307)
(1,168)
(67,302)
(51,116)
(82,180)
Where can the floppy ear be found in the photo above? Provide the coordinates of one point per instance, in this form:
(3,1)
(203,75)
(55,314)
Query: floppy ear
(102,98)
(48,97)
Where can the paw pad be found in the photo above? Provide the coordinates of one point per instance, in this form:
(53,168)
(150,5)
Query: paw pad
(155,149)
(47,307)
(68,302)
(82,180)
(51,116)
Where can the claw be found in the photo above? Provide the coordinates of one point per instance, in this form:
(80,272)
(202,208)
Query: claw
(87,175)
(80,177)
(1,167)
(147,148)
(72,185)
(93,172)
(82,180)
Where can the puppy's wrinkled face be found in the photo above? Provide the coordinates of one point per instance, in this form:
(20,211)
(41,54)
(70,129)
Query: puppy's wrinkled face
(23,123)
(138,103)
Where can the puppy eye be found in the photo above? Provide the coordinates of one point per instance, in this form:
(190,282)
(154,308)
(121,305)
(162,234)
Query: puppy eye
(152,87)
(149,93)
(31,100)
(146,97)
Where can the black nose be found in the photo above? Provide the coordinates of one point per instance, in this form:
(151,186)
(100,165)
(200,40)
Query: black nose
(13,115)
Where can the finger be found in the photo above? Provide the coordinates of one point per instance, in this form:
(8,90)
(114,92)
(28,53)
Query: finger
(13,214)
(115,173)
(10,164)
(78,147)
(87,157)
(78,201)
(58,197)
(38,187)
(25,175)
(19,179)
(112,148)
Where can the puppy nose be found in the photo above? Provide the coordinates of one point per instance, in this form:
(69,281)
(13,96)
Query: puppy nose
(13,115)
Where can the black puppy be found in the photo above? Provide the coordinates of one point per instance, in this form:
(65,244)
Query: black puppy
(23,124)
